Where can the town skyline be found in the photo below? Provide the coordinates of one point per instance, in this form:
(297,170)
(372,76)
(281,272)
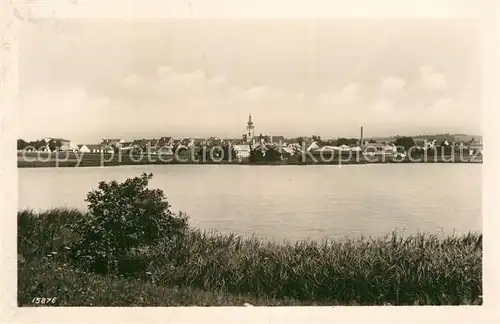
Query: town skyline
(201,78)
(256,134)
(128,137)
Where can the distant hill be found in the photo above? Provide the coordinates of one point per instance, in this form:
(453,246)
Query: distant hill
(467,138)
(437,137)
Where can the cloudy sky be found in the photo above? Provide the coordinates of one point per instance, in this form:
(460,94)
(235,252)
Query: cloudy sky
(91,79)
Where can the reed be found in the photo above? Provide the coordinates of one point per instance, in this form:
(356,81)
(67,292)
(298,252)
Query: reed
(220,269)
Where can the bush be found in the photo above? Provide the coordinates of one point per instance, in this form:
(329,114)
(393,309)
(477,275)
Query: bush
(123,217)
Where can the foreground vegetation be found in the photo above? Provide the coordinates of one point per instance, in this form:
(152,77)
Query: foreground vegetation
(140,253)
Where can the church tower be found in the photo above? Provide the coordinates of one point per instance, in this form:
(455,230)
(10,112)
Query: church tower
(250,128)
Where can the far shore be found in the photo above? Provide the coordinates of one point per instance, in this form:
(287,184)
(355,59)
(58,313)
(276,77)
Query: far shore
(63,159)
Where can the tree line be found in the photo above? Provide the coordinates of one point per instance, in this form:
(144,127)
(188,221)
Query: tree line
(52,144)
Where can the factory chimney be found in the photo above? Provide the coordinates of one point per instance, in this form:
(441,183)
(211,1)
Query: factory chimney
(361,139)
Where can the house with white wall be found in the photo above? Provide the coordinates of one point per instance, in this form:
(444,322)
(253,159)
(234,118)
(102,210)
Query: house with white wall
(89,148)
(313,146)
(380,149)
(242,150)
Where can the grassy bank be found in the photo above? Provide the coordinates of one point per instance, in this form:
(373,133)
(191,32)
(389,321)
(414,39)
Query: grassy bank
(214,269)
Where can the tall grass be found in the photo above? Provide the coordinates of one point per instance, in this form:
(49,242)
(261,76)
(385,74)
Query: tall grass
(41,233)
(416,270)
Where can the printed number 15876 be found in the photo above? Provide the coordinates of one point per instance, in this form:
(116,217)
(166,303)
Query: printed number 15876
(44,301)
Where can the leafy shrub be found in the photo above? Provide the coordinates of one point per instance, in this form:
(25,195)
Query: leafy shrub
(122,217)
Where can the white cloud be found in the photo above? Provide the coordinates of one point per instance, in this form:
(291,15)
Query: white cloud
(217,80)
(164,70)
(186,94)
(215,86)
(383,106)
(133,80)
(192,78)
(255,93)
(62,112)
(168,77)
(300,96)
(443,103)
(350,89)
(392,84)
(205,77)
(432,79)
(442,107)
(199,104)
(347,96)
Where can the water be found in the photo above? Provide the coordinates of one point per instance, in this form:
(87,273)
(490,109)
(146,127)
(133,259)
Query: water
(289,202)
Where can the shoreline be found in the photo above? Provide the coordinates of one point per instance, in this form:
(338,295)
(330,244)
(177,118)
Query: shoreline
(98,160)
(73,165)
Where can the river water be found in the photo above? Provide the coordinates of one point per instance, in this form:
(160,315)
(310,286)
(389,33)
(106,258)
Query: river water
(289,202)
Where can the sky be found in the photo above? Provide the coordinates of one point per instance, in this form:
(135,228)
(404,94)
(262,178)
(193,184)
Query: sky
(88,79)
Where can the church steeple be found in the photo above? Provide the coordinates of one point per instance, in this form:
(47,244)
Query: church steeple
(250,129)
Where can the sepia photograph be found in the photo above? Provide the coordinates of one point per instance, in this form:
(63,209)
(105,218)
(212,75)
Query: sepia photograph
(249,162)
(312,162)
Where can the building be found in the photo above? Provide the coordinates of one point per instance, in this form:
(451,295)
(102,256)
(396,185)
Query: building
(199,141)
(109,145)
(380,149)
(345,147)
(192,143)
(182,143)
(126,146)
(111,141)
(62,144)
(65,144)
(421,143)
(235,141)
(277,140)
(211,141)
(261,139)
(242,150)
(73,147)
(250,129)
(141,143)
(83,148)
(166,142)
(89,148)
(475,148)
(329,148)
(313,146)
